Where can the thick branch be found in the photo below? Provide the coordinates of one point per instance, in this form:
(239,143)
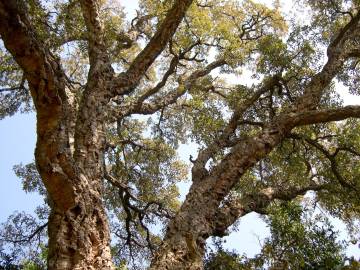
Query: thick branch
(223,140)
(327,115)
(338,52)
(47,86)
(338,42)
(129,80)
(21,40)
(215,185)
(236,208)
(90,10)
(89,134)
(247,152)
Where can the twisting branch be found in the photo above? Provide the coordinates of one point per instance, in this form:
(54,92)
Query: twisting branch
(250,150)
(138,25)
(127,81)
(325,115)
(338,52)
(198,169)
(330,156)
(46,81)
(216,184)
(233,209)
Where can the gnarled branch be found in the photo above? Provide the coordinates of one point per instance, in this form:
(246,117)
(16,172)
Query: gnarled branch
(127,81)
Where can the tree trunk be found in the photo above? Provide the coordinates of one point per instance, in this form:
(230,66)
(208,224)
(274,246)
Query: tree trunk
(79,238)
(183,246)
(179,252)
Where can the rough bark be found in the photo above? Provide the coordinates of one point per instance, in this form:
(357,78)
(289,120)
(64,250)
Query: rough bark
(79,238)
(78,229)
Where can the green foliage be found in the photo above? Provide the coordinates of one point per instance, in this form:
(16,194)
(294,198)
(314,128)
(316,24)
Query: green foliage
(298,241)
(14,97)
(301,242)
(223,260)
(30,178)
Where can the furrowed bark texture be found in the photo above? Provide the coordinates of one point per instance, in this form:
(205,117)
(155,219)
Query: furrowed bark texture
(78,228)
(71,141)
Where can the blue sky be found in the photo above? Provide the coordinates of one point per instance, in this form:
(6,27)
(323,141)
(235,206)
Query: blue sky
(17,144)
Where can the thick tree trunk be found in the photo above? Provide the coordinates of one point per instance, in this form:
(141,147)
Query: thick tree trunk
(79,238)
(183,246)
(179,252)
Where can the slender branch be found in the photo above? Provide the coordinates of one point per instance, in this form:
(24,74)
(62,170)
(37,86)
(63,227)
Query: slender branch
(171,97)
(329,156)
(172,68)
(28,238)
